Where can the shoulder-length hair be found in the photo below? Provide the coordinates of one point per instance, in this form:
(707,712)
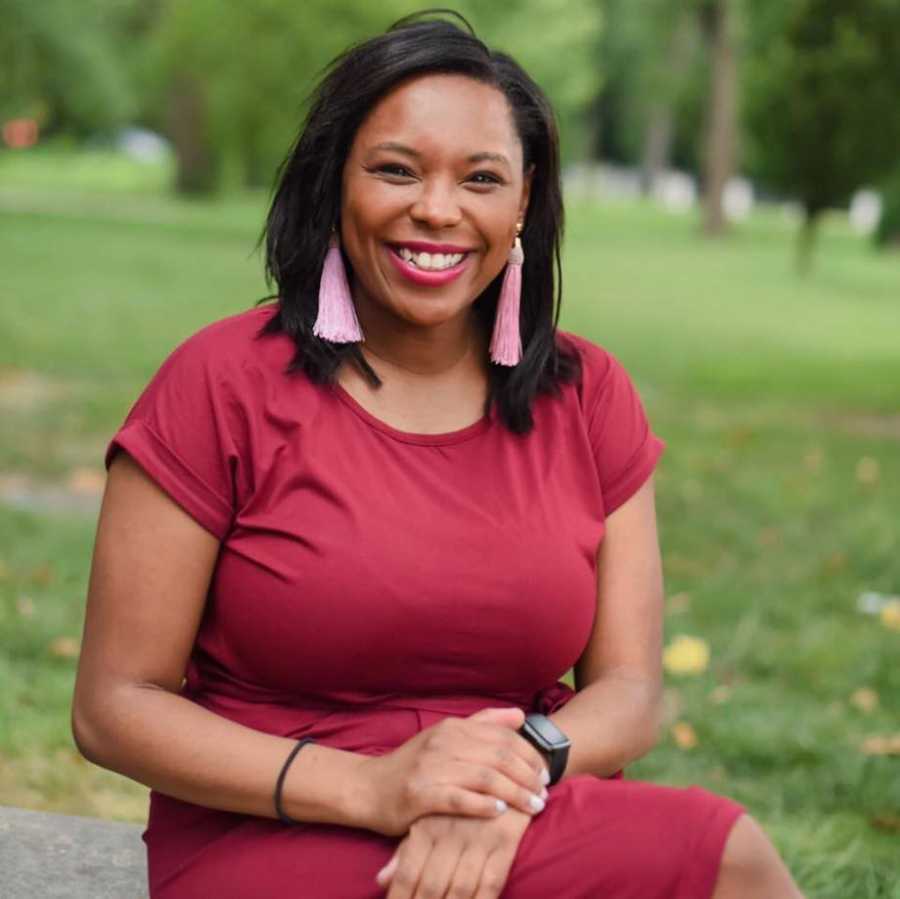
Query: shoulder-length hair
(307,200)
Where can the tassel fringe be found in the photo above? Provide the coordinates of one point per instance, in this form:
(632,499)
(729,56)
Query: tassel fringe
(336,320)
(506,342)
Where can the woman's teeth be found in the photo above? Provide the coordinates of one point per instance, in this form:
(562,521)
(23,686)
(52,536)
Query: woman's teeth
(432,262)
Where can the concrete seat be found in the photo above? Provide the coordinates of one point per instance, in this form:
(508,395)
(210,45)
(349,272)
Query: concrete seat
(50,855)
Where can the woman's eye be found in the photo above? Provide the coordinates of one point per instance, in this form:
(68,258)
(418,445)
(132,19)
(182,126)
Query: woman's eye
(485,178)
(394,169)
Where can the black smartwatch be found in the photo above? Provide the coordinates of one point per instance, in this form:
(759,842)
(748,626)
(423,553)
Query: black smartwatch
(549,740)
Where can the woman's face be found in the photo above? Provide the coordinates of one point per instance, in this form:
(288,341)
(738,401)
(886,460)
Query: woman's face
(432,190)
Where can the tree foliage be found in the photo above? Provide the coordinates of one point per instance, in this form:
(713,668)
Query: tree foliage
(236,74)
(65,63)
(821,94)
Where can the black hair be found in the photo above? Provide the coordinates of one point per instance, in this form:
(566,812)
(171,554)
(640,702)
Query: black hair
(307,200)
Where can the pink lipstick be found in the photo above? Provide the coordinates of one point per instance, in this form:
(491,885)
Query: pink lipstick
(422,276)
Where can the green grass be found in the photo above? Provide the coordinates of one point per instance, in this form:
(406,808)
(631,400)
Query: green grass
(768,389)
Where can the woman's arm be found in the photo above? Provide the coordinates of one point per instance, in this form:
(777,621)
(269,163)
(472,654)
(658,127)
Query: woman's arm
(149,579)
(616,715)
(150,573)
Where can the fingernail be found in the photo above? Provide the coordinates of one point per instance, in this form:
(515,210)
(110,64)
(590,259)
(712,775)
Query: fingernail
(545,776)
(382,874)
(536,803)
(544,794)
(501,806)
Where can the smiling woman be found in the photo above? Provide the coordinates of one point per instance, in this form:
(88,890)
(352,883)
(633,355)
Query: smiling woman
(352,538)
(460,173)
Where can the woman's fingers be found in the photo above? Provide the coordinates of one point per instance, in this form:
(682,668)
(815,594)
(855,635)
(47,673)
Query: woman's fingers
(491,781)
(467,875)
(411,856)
(383,877)
(495,873)
(437,872)
(513,754)
(479,792)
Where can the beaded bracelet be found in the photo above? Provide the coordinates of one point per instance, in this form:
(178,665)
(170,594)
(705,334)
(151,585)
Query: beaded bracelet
(285,819)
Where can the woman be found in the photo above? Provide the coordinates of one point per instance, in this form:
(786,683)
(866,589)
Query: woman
(369,522)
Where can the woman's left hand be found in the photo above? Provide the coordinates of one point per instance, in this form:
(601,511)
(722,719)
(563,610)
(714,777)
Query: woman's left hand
(470,855)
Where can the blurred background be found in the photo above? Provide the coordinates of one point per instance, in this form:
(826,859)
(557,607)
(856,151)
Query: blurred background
(732,181)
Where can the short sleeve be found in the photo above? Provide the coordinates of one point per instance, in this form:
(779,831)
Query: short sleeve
(179,432)
(625,448)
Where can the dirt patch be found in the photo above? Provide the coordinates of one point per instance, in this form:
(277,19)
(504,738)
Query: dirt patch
(878,426)
(24,390)
(80,494)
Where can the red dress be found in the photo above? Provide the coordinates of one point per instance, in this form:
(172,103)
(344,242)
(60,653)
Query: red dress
(372,581)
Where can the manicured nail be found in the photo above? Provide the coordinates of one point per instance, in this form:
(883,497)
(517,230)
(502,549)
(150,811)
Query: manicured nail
(536,803)
(383,873)
(545,776)
(501,806)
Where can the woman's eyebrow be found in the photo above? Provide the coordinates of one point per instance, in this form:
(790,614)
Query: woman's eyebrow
(484,156)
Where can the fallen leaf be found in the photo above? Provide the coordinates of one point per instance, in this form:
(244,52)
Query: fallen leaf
(739,436)
(720,694)
(86,481)
(679,602)
(890,615)
(814,459)
(42,574)
(868,471)
(835,563)
(25,606)
(865,699)
(64,648)
(686,655)
(684,735)
(886,821)
(882,745)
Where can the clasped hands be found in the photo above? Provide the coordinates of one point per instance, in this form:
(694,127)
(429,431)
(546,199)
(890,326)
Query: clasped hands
(462,794)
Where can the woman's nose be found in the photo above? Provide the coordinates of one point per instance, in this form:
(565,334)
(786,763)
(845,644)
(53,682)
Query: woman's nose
(436,206)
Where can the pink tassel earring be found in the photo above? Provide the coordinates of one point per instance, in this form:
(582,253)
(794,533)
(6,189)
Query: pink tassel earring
(506,343)
(336,320)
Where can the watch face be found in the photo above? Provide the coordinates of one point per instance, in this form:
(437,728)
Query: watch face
(545,732)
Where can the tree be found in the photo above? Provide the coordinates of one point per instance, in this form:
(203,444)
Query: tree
(822,108)
(719,25)
(65,64)
(235,75)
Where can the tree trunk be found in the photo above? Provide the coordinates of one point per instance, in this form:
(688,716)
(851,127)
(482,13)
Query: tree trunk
(721,127)
(188,130)
(806,240)
(660,120)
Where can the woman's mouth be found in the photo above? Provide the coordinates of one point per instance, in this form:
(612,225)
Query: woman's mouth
(429,269)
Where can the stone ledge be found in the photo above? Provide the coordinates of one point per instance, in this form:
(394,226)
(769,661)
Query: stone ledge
(55,856)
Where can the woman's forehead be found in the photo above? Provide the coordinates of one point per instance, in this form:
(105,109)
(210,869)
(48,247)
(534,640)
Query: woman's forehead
(450,115)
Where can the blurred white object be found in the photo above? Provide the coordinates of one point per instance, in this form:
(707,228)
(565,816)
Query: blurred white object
(792,212)
(737,199)
(143,145)
(676,191)
(865,211)
(871,603)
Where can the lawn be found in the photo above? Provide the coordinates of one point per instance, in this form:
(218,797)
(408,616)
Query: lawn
(779,399)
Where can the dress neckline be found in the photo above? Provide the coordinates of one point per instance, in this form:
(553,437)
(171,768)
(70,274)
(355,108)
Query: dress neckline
(442,439)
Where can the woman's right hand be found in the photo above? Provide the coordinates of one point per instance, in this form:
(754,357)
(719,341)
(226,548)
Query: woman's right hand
(460,766)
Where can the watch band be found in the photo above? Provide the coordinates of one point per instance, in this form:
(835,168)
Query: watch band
(548,739)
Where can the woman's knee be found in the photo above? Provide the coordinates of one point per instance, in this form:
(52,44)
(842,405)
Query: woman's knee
(751,865)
